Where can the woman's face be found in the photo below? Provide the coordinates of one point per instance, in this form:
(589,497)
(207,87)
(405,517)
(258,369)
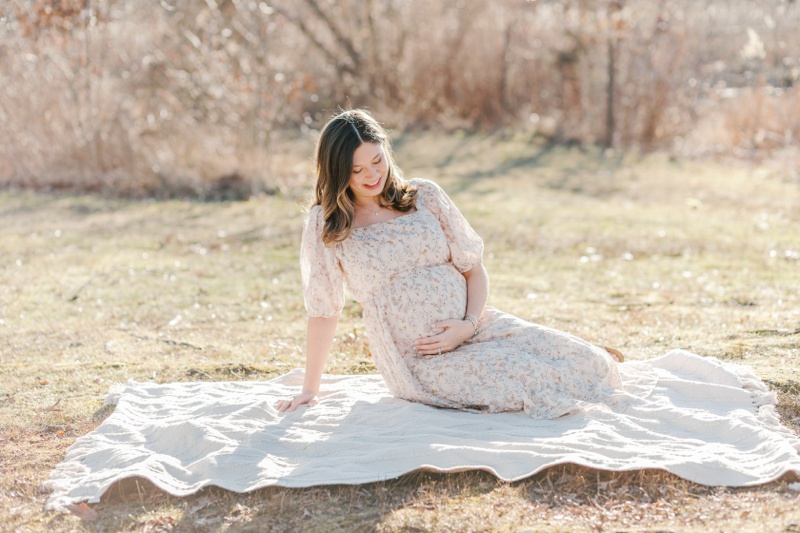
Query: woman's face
(368,177)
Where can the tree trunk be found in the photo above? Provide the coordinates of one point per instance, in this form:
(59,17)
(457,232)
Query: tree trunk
(610,93)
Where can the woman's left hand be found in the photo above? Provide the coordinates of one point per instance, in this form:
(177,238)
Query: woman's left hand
(454,333)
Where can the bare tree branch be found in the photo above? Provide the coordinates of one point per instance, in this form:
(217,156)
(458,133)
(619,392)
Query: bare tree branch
(337,34)
(312,37)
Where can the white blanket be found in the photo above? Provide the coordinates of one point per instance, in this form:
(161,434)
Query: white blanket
(703,420)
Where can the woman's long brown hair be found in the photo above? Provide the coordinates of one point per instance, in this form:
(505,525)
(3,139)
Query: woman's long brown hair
(339,139)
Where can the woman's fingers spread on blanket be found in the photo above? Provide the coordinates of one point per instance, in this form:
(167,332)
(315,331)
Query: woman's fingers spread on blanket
(285,406)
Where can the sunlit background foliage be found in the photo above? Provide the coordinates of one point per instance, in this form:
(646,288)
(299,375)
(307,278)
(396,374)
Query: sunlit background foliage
(196,97)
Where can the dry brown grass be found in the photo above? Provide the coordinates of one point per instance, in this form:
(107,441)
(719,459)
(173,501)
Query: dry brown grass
(640,253)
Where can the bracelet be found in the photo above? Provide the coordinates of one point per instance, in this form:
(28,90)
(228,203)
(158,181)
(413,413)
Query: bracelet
(473,321)
(309,391)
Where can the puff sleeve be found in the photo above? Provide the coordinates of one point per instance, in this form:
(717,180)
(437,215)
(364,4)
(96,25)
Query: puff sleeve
(323,284)
(466,246)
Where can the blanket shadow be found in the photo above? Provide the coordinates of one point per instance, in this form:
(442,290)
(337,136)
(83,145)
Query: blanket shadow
(419,496)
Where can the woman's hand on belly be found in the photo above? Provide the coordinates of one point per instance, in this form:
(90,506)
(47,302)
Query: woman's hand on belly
(454,332)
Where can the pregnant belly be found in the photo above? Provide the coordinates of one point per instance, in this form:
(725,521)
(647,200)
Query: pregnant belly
(414,301)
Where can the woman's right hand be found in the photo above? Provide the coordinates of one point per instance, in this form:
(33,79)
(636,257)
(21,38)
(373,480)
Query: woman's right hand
(308,398)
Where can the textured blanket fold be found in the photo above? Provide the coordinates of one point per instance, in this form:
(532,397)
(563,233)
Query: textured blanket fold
(709,422)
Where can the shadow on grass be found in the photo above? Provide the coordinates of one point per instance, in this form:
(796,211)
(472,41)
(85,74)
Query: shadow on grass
(567,489)
(477,159)
(135,503)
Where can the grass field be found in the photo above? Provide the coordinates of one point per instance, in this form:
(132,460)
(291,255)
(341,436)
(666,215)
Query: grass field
(641,253)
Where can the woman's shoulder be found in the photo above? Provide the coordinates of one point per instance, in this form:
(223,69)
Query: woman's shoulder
(314,211)
(313,216)
(425,187)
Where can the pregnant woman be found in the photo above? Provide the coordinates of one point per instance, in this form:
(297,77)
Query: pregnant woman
(408,255)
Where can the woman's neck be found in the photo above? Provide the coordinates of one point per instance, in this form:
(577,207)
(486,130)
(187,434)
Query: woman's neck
(369,204)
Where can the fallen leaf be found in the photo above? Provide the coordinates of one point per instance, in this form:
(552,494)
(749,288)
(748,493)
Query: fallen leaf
(83,511)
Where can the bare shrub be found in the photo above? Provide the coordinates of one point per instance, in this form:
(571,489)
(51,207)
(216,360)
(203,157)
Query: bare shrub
(130,101)
(178,97)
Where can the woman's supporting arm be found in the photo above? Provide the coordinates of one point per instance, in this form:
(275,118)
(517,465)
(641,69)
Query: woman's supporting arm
(319,340)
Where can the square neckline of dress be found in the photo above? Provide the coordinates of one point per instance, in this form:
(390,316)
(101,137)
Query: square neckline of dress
(416,210)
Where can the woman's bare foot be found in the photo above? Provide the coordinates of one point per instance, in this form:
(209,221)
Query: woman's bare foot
(616,354)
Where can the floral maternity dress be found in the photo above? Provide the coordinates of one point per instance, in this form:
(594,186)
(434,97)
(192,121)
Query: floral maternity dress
(406,273)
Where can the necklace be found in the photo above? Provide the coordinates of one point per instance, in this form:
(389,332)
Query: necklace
(377,211)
